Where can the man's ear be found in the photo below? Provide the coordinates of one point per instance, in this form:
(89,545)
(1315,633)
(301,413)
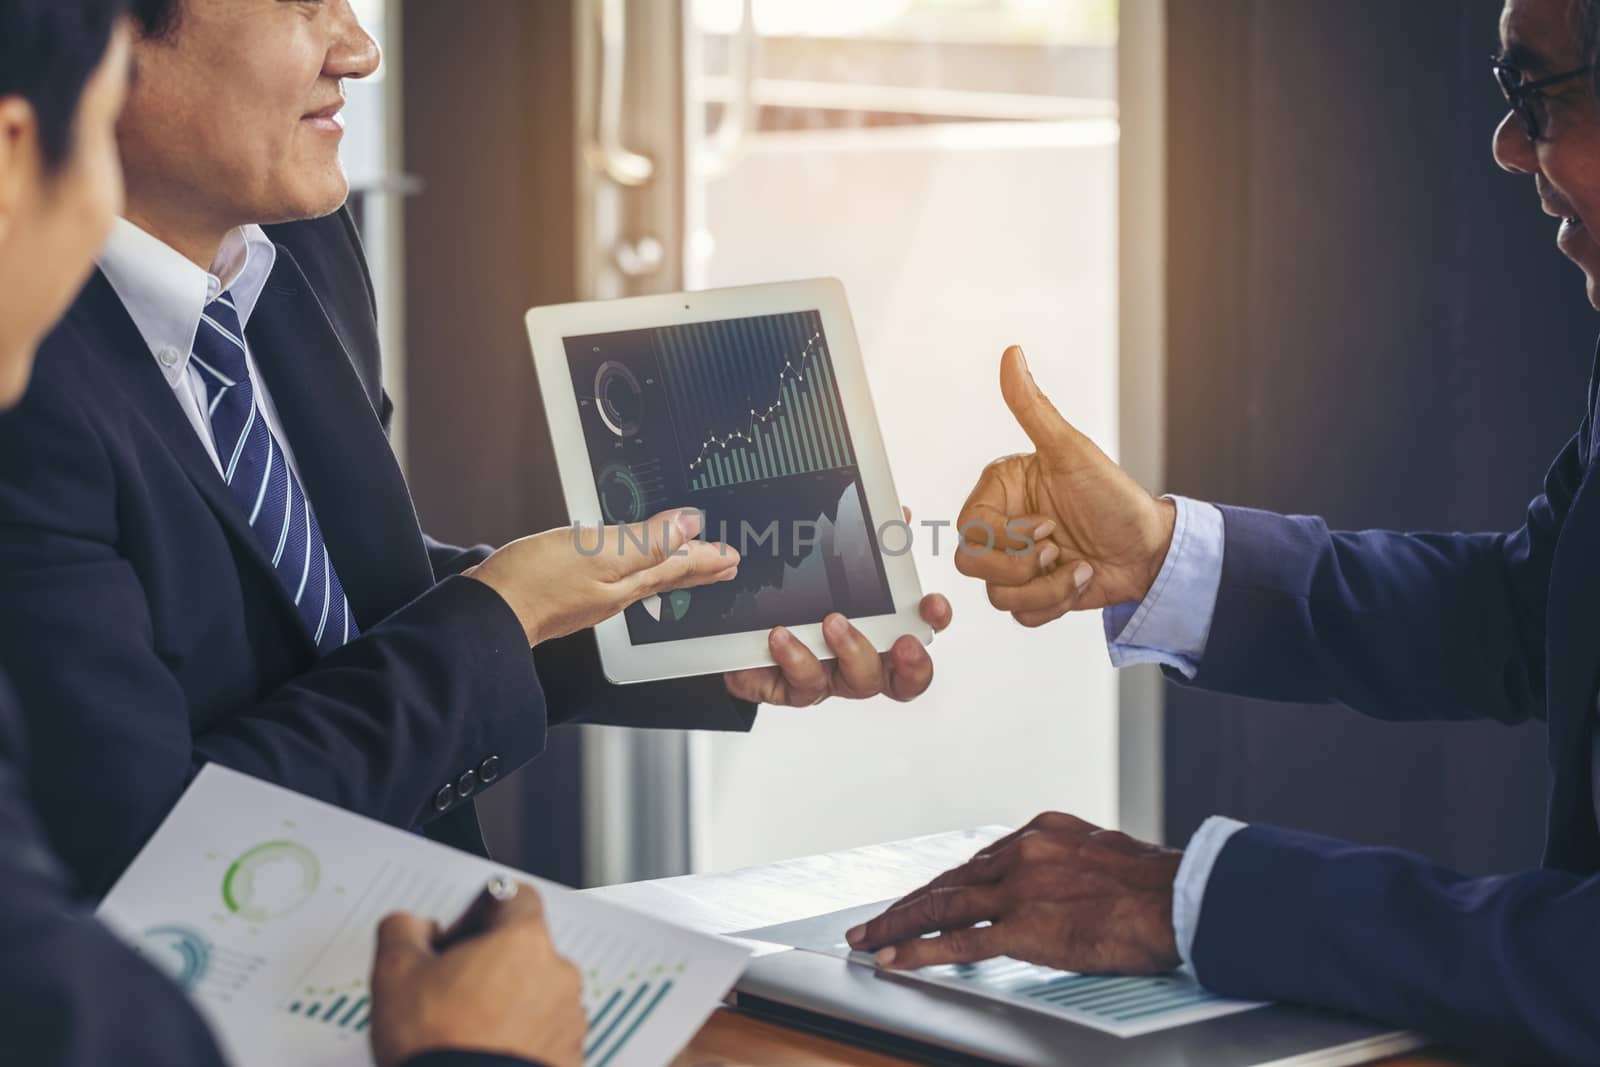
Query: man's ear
(19,158)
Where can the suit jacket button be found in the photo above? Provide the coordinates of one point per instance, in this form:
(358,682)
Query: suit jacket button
(489,769)
(444,798)
(466,784)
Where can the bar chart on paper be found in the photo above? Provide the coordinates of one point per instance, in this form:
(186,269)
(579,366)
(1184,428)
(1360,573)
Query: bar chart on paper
(760,396)
(622,989)
(332,992)
(348,1010)
(624,982)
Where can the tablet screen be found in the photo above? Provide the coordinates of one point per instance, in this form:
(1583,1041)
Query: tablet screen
(743,419)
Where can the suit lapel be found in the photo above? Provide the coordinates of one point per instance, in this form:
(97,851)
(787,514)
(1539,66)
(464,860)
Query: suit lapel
(346,466)
(116,344)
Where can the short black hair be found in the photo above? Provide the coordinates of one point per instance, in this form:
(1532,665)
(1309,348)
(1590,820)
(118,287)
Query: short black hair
(156,18)
(49,49)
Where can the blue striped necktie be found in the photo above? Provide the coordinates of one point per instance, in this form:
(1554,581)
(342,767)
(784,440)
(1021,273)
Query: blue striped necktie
(262,482)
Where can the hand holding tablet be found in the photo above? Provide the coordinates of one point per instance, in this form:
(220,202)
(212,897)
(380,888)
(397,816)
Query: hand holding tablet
(750,405)
(800,679)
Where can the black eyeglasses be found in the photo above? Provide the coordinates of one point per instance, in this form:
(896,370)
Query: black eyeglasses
(1527,98)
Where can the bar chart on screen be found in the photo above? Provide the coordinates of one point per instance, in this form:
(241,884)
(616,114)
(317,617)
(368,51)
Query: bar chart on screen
(743,418)
(754,399)
(1126,1007)
(1123,1007)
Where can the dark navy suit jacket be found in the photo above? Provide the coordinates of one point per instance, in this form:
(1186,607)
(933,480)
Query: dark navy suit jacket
(1407,627)
(74,995)
(146,633)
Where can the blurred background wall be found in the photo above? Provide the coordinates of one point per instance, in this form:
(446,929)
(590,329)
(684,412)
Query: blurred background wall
(489,133)
(1368,321)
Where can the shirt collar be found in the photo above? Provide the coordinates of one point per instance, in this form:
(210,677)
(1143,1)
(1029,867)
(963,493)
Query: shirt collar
(164,293)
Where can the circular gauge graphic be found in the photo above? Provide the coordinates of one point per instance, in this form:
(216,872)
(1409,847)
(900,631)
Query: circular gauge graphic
(621,496)
(618,398)
(184,954)
(270,880)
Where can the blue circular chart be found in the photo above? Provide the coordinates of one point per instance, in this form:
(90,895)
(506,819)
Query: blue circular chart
(183,953)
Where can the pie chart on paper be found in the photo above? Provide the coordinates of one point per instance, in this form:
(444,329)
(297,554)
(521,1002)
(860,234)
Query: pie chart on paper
(270,880)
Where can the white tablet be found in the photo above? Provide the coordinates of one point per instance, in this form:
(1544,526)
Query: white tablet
(752,405)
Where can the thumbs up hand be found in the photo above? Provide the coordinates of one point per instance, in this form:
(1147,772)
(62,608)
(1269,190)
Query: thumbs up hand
(1099,538)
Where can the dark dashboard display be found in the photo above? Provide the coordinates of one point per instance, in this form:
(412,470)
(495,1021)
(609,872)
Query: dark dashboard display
(743,419)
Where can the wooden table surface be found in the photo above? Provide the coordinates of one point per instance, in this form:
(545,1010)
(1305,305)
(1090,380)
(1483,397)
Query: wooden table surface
(733,1040)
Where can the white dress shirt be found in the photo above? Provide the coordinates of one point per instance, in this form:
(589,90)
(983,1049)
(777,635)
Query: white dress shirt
(164,293)
(1171,627)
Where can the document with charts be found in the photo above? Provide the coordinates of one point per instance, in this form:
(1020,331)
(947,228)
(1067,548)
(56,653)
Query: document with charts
(264,905)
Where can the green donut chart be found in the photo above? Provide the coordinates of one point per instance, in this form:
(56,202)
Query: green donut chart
(270,880)
(622,499)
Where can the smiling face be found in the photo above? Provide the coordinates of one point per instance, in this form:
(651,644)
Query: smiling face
(1541,39)
(235,118)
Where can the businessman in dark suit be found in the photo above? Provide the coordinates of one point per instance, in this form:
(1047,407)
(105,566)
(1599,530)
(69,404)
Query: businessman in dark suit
(207,549)
(74,995)
(1488,626)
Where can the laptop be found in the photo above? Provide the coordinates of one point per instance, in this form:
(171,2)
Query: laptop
(813,988)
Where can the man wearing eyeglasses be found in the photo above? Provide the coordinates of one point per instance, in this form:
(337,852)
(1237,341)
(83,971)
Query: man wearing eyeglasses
(1491,626)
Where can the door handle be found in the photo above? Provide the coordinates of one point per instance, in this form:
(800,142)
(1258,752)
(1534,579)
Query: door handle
(606,152)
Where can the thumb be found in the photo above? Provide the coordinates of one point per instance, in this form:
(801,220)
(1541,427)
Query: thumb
(662,535)
(1037,416)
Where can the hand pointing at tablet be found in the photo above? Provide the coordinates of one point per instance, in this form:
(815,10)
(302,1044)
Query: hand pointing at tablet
(859,671)
(562,581)
(568,579)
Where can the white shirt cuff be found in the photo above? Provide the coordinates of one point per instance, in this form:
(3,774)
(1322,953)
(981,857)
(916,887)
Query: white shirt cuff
(1173,623)
(1189,890)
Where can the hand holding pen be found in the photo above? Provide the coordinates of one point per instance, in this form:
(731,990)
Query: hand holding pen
(480,914)
(491,981)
